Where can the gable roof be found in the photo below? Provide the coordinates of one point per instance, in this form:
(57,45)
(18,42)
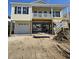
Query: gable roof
(29,1)
(40,2)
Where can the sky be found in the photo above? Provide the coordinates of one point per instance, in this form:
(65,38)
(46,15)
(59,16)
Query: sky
(26,1)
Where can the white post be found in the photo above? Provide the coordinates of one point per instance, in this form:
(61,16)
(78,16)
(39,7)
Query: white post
(52,20)
(51,12)
(30,12)
(61,13)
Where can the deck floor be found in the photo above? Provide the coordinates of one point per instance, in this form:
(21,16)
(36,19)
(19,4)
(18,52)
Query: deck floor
(26,47)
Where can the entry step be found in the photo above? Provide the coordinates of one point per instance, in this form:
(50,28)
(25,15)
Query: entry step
(41,35)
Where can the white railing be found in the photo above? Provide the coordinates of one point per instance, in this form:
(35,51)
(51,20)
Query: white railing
(41,15)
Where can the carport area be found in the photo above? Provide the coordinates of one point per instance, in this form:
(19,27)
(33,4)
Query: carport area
(42,26)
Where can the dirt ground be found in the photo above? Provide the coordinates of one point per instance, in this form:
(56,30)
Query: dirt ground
(27,47)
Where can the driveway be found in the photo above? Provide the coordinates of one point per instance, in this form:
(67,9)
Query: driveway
(27,47)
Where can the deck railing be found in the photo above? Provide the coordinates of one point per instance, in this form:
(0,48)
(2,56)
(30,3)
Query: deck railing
(41,15)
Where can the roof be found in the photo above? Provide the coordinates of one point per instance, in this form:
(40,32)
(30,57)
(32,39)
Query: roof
(29,1)
(40,1)
(37,3)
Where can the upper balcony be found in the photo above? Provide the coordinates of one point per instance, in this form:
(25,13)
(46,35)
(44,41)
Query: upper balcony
(46,13)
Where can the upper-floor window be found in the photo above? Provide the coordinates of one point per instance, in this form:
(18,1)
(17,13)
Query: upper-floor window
(17,10)
(50,12)
(39,11)
(35,12)
(25,10)
(45,11)
(20,10)
(56,14)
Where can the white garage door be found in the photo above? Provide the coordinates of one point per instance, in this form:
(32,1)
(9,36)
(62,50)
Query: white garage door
(22,28)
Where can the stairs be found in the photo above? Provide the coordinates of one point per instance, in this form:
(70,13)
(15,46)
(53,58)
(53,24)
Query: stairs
(58,27)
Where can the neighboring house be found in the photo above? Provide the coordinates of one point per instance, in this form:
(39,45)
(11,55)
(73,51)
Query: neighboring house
(9,18)
(35,17)
(10,26)
(9,21)
(67,15)
(67,20)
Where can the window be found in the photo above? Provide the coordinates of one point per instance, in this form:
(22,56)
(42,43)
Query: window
(25,10)
(45,11)
(17,10)
(35,12)
(56,14)
(40,14)
(50,12)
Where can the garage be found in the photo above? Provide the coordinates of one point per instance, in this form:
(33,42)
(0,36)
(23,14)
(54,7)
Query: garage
(22,28)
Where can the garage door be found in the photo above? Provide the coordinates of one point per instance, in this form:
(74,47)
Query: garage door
(22,28)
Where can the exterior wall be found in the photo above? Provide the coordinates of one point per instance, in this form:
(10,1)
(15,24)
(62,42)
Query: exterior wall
(27,17)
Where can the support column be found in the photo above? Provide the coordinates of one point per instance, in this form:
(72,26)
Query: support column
(31,27)
(31,19)
(51,12)
(52,21)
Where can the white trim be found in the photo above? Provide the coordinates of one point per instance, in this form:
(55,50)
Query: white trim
(52,12)
(21,9)
(17,9)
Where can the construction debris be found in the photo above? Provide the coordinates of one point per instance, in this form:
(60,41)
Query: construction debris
(62,35)
(63,50)
(63,45)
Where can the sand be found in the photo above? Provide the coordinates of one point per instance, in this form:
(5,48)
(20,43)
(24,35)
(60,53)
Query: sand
(27,47)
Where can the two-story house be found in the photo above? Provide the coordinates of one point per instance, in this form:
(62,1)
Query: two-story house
(35,17)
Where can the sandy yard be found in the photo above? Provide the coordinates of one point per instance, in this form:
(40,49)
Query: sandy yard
(27,47)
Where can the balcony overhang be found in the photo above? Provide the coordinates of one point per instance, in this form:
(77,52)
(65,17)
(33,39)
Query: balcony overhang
(41,19)
(49,5)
